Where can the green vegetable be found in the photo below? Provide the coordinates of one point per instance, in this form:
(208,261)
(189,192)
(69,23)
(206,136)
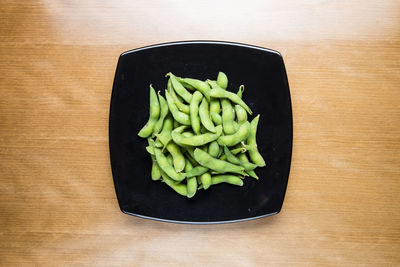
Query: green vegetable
(255,156)
(222,80)
(205,116)
(201,139)
(147,130)
(194,111)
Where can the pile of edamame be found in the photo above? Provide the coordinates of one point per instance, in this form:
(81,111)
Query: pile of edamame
(199,135)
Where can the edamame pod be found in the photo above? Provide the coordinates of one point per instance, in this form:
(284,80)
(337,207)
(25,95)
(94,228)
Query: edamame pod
(199,85)
(213,149)
(147,130)
(194,111)
(196,171)
(216,118)
(222,80)
(155,169)
(255,156)
(228,116)
(150,149)
(196,140)
(170,160)
(177,156)
(179,88)
(240,91)
(220,93)
(164,136)
(180,117)
(191,184)
(166,167)
(215,105)
(230,179)
(241,114)
(230,157)
(186,85)
(179,104)
(213,84)
(205,116)
(235,126)
(205,179)
(177,187)
(169,86)
(236,138)
(204,159)
(243,158)
(163,113)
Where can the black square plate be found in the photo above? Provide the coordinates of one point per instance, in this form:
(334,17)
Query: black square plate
(263,73)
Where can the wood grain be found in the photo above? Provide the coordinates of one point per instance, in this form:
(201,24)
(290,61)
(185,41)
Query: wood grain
(57,201)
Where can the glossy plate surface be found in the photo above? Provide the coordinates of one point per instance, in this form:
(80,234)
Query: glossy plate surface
(263,73)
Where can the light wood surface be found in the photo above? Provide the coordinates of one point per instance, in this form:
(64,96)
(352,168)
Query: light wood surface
(57,201)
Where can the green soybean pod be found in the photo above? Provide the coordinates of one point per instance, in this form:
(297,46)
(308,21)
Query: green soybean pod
(213,149)
(147,130)
(196,140)
(222,80)
(205,179)
(234,151)
(221,93)
(187,134)
(230,157)
(164,136)
(199,85)
(170,159)
(177,156)
(235,126)
(255,156)
(212,83)
(177,187)
(169,86)
(226,178)
(243,158)
(186,85)
(215,109)
(150,150)
(205,118)
(155,169)
(228,116)
(166,167)
(179,104)
(191,183)
(248,147)
(179,88)
(194,111)
(163,113)
(241,114)
(240,91)
(179,116)
(204,159)
(196,171)
(215,105)
(216,118)
(238,150)
(236,138)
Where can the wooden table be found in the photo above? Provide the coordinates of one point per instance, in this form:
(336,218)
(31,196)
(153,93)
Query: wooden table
(57,201)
